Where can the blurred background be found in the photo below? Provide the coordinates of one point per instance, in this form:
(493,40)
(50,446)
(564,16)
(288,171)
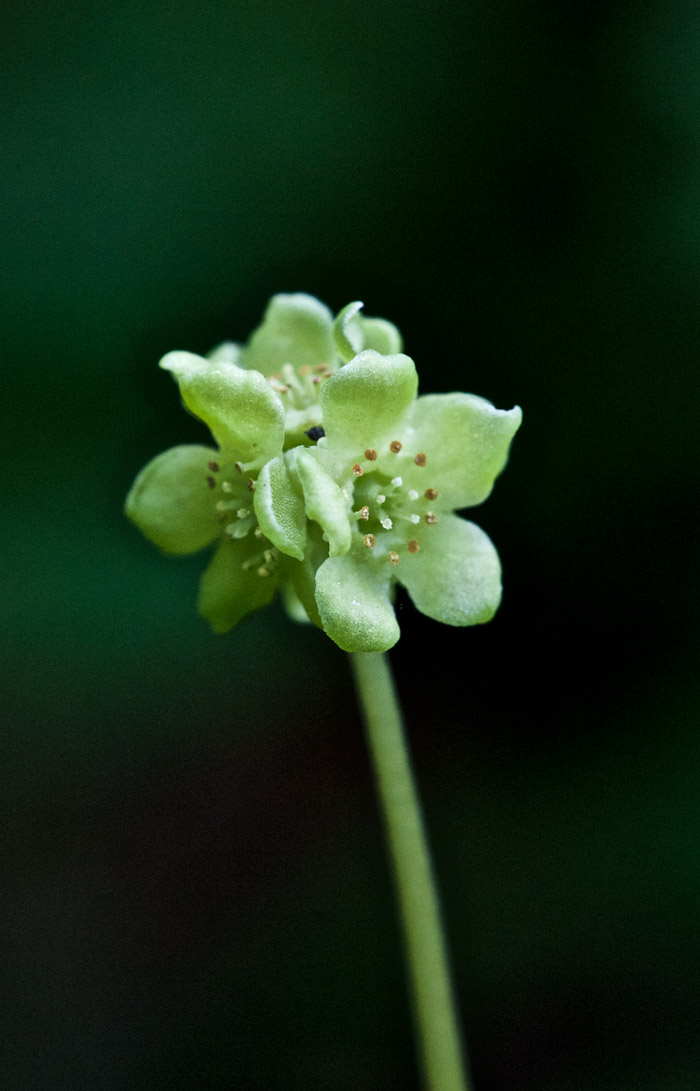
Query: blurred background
(195,891)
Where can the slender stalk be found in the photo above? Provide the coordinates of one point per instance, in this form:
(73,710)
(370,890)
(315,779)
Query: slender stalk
(433,1000)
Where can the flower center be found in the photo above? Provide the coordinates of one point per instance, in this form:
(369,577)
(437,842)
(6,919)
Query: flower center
(232,496)
(392,508)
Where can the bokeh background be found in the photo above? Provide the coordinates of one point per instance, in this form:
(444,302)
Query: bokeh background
(195,891)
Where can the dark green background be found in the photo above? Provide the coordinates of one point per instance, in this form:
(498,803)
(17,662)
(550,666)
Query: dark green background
(195,891)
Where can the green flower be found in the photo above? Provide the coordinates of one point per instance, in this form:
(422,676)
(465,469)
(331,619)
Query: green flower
(194,496)
(380,489)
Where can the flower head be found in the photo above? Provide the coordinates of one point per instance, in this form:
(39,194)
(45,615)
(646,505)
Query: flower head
(330,479)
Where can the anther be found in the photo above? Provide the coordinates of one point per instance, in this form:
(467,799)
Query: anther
(251,484)
(269,555)
(211,482)
(242,513)
(315,433)
(431,518)
(321,368)
(371,454)
(397,482)
(395,446)
(415,518)
(369,540)
(380,498)
(412,494)
(393,557)
(421,459)
(413,546)
(316,379)
(386,523)
(364,512)
(431,494)
(357,470)
(227,486)
(305,369)
(239,467)
(258,533)
(263,571)
(213,466)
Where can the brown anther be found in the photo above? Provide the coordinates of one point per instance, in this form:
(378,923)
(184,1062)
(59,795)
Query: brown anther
(369,540)
(364,512)
(395,446)
(211,482)
(305,369)
(431,518)
(413,546)
(213,466)
(251,484)
(316,380)
(421,459)
(431,494)
(392,557)
(371,454)
(238,466)
(321,369)
(357,470)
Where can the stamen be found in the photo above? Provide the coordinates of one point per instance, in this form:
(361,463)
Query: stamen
(211,482)
(213,466)
(322,368)
(263,571)
(251,485)
(431,518)
(412,494)
(386,523)
(364,512)
(392,557)
(397,482)
(380,497)
(227,486)
(357,470)
(431,494)
(371,454)
(269,555)
(413,546)
(369,540)
(395,446)
(238,466)
(258,533)
(305,369)
(415,518)
(243,513)
(225,505)
(317,379)
(421,459)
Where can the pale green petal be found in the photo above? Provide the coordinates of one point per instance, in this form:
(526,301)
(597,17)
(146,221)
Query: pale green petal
(354,604)
(352,333)
(228,591)
(364,402)
(293,605)
(279,508)
(465,440)
(297,330)
(240,407)
(171,503)
(228,352)
(324,501)
(456,576)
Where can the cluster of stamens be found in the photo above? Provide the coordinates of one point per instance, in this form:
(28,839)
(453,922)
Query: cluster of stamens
(300,386)
(388,504)
(236,515)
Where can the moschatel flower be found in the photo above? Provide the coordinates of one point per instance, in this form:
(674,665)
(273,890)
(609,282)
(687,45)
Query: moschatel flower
(330,480)
(380,488)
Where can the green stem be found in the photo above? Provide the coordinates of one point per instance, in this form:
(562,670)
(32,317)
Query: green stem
(433,998)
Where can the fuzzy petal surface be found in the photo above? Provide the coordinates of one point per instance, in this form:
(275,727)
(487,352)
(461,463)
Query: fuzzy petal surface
(466,440)
(227,591)
(170,502)
(297,329)
(456,577)
(240,408)
(365,400)
(279,508)
(354,604)
(324,502)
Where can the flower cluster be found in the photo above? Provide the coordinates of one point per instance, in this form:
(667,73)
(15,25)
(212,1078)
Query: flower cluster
(331,480)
